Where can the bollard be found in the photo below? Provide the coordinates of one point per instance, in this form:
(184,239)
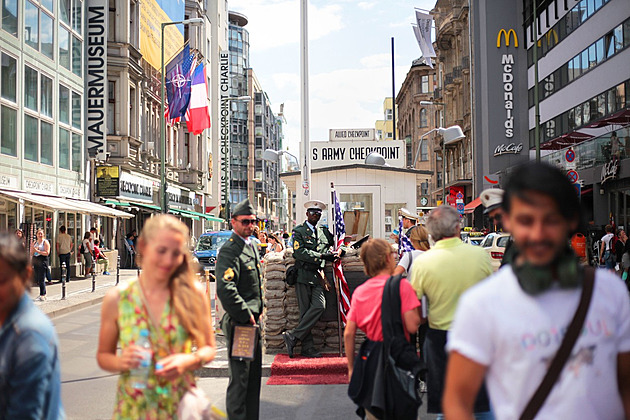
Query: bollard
(93,274)
(118,271)
(64,273)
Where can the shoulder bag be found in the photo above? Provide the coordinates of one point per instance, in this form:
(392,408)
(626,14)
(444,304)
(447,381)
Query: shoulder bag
(561,357)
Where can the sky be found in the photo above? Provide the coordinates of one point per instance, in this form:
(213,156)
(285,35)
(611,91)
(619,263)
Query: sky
(349,58)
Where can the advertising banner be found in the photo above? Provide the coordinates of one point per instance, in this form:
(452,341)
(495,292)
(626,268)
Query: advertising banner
(152,14)
(107,181)
(96,78)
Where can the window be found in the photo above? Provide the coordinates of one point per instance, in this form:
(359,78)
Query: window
(64,11)
(10,16)
(77,16)
(64,48)
(423,118)
(424,188)
(31,25)
(424,83)
(64,149)
(424,151)
(76,56)
(46,102)
(30,88)
(8,130)
(47,37)
(46,141)
(76,152)
(8,76)
(64,104)
(111,107)
(389,114)
(31,140)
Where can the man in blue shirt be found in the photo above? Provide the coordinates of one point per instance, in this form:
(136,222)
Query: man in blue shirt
(30,386)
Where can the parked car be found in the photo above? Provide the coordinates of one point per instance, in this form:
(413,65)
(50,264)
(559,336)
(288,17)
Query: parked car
(494,244)
(208,245)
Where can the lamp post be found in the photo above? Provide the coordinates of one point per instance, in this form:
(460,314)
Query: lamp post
(226,158)
(163,200)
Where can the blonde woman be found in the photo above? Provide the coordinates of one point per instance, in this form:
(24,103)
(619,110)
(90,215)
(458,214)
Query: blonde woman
(166,302)
(40,250)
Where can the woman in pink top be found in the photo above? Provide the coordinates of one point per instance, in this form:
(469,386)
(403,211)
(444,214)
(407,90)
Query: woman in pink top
(365,309)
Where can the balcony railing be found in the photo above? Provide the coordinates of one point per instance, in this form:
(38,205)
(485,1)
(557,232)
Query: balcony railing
(448,79)
(466,62)
(457,72)
(437,93)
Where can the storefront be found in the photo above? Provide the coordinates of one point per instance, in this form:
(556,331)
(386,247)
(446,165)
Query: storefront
(31,211)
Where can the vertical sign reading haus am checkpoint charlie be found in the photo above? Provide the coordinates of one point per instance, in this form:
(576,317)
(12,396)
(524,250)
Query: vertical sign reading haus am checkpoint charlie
(501,132)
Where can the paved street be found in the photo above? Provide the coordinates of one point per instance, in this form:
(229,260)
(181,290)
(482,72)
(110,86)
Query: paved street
(88,391)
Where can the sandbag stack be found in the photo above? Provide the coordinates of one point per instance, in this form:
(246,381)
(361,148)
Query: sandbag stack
(274,290)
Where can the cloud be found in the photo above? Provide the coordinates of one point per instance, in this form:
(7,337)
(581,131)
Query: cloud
(377,60)
(277,23)
(366,5)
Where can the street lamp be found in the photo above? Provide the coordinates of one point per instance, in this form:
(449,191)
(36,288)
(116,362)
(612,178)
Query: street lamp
(273,156)
(163,200)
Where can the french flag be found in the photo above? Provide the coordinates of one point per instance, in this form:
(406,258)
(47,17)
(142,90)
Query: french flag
(198,112)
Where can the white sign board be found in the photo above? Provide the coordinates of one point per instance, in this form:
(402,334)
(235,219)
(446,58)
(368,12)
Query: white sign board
(352,134)
(330,154)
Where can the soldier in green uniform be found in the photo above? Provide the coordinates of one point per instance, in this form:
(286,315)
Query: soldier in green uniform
(239,279)
(312,247)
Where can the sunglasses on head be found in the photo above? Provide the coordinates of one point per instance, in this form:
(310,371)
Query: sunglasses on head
(246,222)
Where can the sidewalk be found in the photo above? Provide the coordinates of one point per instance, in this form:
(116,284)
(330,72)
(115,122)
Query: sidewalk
(79,295)
(78,292)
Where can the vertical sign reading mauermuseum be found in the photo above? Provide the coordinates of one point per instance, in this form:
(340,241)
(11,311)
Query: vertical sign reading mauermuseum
(96,78)
(224,89)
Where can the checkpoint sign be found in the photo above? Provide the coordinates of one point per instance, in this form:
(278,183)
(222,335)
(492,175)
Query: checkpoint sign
(573,176)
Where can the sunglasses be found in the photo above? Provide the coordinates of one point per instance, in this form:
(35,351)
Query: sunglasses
(315,212)
(246,222)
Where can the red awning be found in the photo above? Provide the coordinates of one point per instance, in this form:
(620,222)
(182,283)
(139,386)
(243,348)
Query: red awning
(470,207)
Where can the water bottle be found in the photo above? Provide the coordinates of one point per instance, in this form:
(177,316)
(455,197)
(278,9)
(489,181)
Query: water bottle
(140,375)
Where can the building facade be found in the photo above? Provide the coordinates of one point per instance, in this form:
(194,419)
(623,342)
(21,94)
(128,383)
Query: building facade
(417,116)
(385,127)
(452,97)
(584,107)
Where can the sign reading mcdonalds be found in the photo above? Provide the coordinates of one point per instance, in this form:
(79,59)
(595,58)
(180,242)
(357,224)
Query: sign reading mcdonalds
(507,61)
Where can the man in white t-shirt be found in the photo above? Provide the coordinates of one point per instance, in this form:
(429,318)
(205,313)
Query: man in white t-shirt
(607,254)
(509,327)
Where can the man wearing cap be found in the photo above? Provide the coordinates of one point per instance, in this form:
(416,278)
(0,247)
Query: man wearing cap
(312,247)
(409,221)
(239,277)
(492,200)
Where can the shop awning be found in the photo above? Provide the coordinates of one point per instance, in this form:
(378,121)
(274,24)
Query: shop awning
(470,207)
(205,216)
(147,206)
(42,200)
(184,213)
(213,218)
(117,203)
(67,204)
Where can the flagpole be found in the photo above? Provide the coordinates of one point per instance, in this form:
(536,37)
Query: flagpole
(335,279)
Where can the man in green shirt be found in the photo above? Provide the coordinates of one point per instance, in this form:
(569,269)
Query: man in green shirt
(312,247)
(239,279)
(442,274)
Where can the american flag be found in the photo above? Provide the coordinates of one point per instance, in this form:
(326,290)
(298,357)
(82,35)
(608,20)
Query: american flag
(340,234)
(404,244)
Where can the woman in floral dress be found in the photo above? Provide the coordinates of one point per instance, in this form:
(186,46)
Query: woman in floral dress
(166,301)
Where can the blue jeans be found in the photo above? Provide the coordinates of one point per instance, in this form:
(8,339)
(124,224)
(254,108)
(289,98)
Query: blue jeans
(64,258)
(609,260)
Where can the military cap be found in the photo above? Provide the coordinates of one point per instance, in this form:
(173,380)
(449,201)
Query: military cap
(315,205)
(244,208)
(408,215)
(491,198)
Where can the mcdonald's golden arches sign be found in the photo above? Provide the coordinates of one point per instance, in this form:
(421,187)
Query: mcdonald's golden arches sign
(506,36)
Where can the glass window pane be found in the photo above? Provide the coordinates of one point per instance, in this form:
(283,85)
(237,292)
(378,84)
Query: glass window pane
(618,38)
(599,45)
(64,148)
(64,48)
(584,60)
(8,131)
(76,55)
(578,115)
(611,101)
(10,16)
(31,149)
(46,105)
(601,105)
(64,11)
(76,15)
(76,152)
(586,108)
(8,73)
(76,110)
(47,37)
(592,56)
(46,153)
(30,88)
(626,33)
(64,104)
(31,25)
(621,97)
(48,4)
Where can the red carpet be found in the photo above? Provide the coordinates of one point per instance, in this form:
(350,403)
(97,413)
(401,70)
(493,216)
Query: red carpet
(327,370)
